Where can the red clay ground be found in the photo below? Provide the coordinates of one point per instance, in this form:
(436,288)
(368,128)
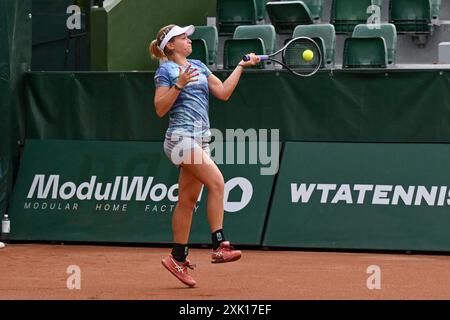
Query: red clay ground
(39,272)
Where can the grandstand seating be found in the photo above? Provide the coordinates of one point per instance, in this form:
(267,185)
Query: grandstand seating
(411,16)
(286,15)
(235,49)
(260,9)
(435,9)
(346,14)
(315,7)
(324,31)
(294,60)
(386,31)
(211,37)
(200,51)
(293,18)
(365,53)
(265,32)
(233,13)
(239,19)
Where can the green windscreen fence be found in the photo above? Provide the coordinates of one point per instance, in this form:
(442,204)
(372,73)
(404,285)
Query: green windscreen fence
(15,55)
(394,106)
(4,104)
(390,195)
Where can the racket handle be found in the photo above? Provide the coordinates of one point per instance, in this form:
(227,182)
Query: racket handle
(261,57)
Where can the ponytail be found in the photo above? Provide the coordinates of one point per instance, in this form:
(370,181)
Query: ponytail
(155,50)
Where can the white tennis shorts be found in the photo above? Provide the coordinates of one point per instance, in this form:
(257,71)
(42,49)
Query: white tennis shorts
(178,148)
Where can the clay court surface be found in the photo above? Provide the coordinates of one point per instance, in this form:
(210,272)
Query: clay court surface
(35,271)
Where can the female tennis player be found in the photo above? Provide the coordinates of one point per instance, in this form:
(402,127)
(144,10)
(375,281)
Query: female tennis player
(182,90)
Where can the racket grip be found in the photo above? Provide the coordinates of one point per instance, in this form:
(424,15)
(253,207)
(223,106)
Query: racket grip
(261,57)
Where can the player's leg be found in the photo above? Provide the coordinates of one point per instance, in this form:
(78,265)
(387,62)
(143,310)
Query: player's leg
(187,152)
(206,171)
(189,188)
(209,174)
(188,192)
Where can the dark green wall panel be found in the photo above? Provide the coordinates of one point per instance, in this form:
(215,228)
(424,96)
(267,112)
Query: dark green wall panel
(120,38)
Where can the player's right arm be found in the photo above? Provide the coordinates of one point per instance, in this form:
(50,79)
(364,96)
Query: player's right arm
(224,90)
(166,96)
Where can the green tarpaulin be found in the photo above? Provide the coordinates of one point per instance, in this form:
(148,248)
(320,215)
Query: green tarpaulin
(393,106)
(15,54)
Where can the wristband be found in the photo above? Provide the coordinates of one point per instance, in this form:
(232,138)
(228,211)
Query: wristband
(177,87)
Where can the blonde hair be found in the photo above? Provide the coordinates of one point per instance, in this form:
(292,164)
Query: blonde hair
(155,50)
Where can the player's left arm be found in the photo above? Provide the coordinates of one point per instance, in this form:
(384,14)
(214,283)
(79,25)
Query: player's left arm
(224,90)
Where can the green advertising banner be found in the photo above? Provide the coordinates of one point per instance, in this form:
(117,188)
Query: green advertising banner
(124,192)
(362,196)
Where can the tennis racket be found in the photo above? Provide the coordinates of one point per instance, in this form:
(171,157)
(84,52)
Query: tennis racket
(292,55)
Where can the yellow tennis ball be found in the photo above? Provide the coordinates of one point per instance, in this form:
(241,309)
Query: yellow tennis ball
(308,55)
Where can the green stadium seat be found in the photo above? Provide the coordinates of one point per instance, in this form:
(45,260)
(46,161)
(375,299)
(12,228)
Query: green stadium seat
(435,9)
(260,9)
(326,33)
(346,14)
(200,51)
(210,35)
(265,32)
(286,15)
(233,13)
(235,49)
(411,16)
(365,53)
(315,7)
(387,31)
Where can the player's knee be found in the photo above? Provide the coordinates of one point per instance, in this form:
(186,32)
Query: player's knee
(188,203)
(216,185)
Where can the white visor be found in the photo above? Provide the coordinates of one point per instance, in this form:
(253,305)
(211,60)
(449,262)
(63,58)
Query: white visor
(176,31)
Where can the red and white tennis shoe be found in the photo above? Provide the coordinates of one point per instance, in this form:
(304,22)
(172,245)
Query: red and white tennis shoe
(225,253)
(179,269)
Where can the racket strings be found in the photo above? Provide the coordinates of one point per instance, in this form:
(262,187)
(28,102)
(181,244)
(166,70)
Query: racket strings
(293,55)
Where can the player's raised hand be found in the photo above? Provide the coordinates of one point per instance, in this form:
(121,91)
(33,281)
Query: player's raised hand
(188,76)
